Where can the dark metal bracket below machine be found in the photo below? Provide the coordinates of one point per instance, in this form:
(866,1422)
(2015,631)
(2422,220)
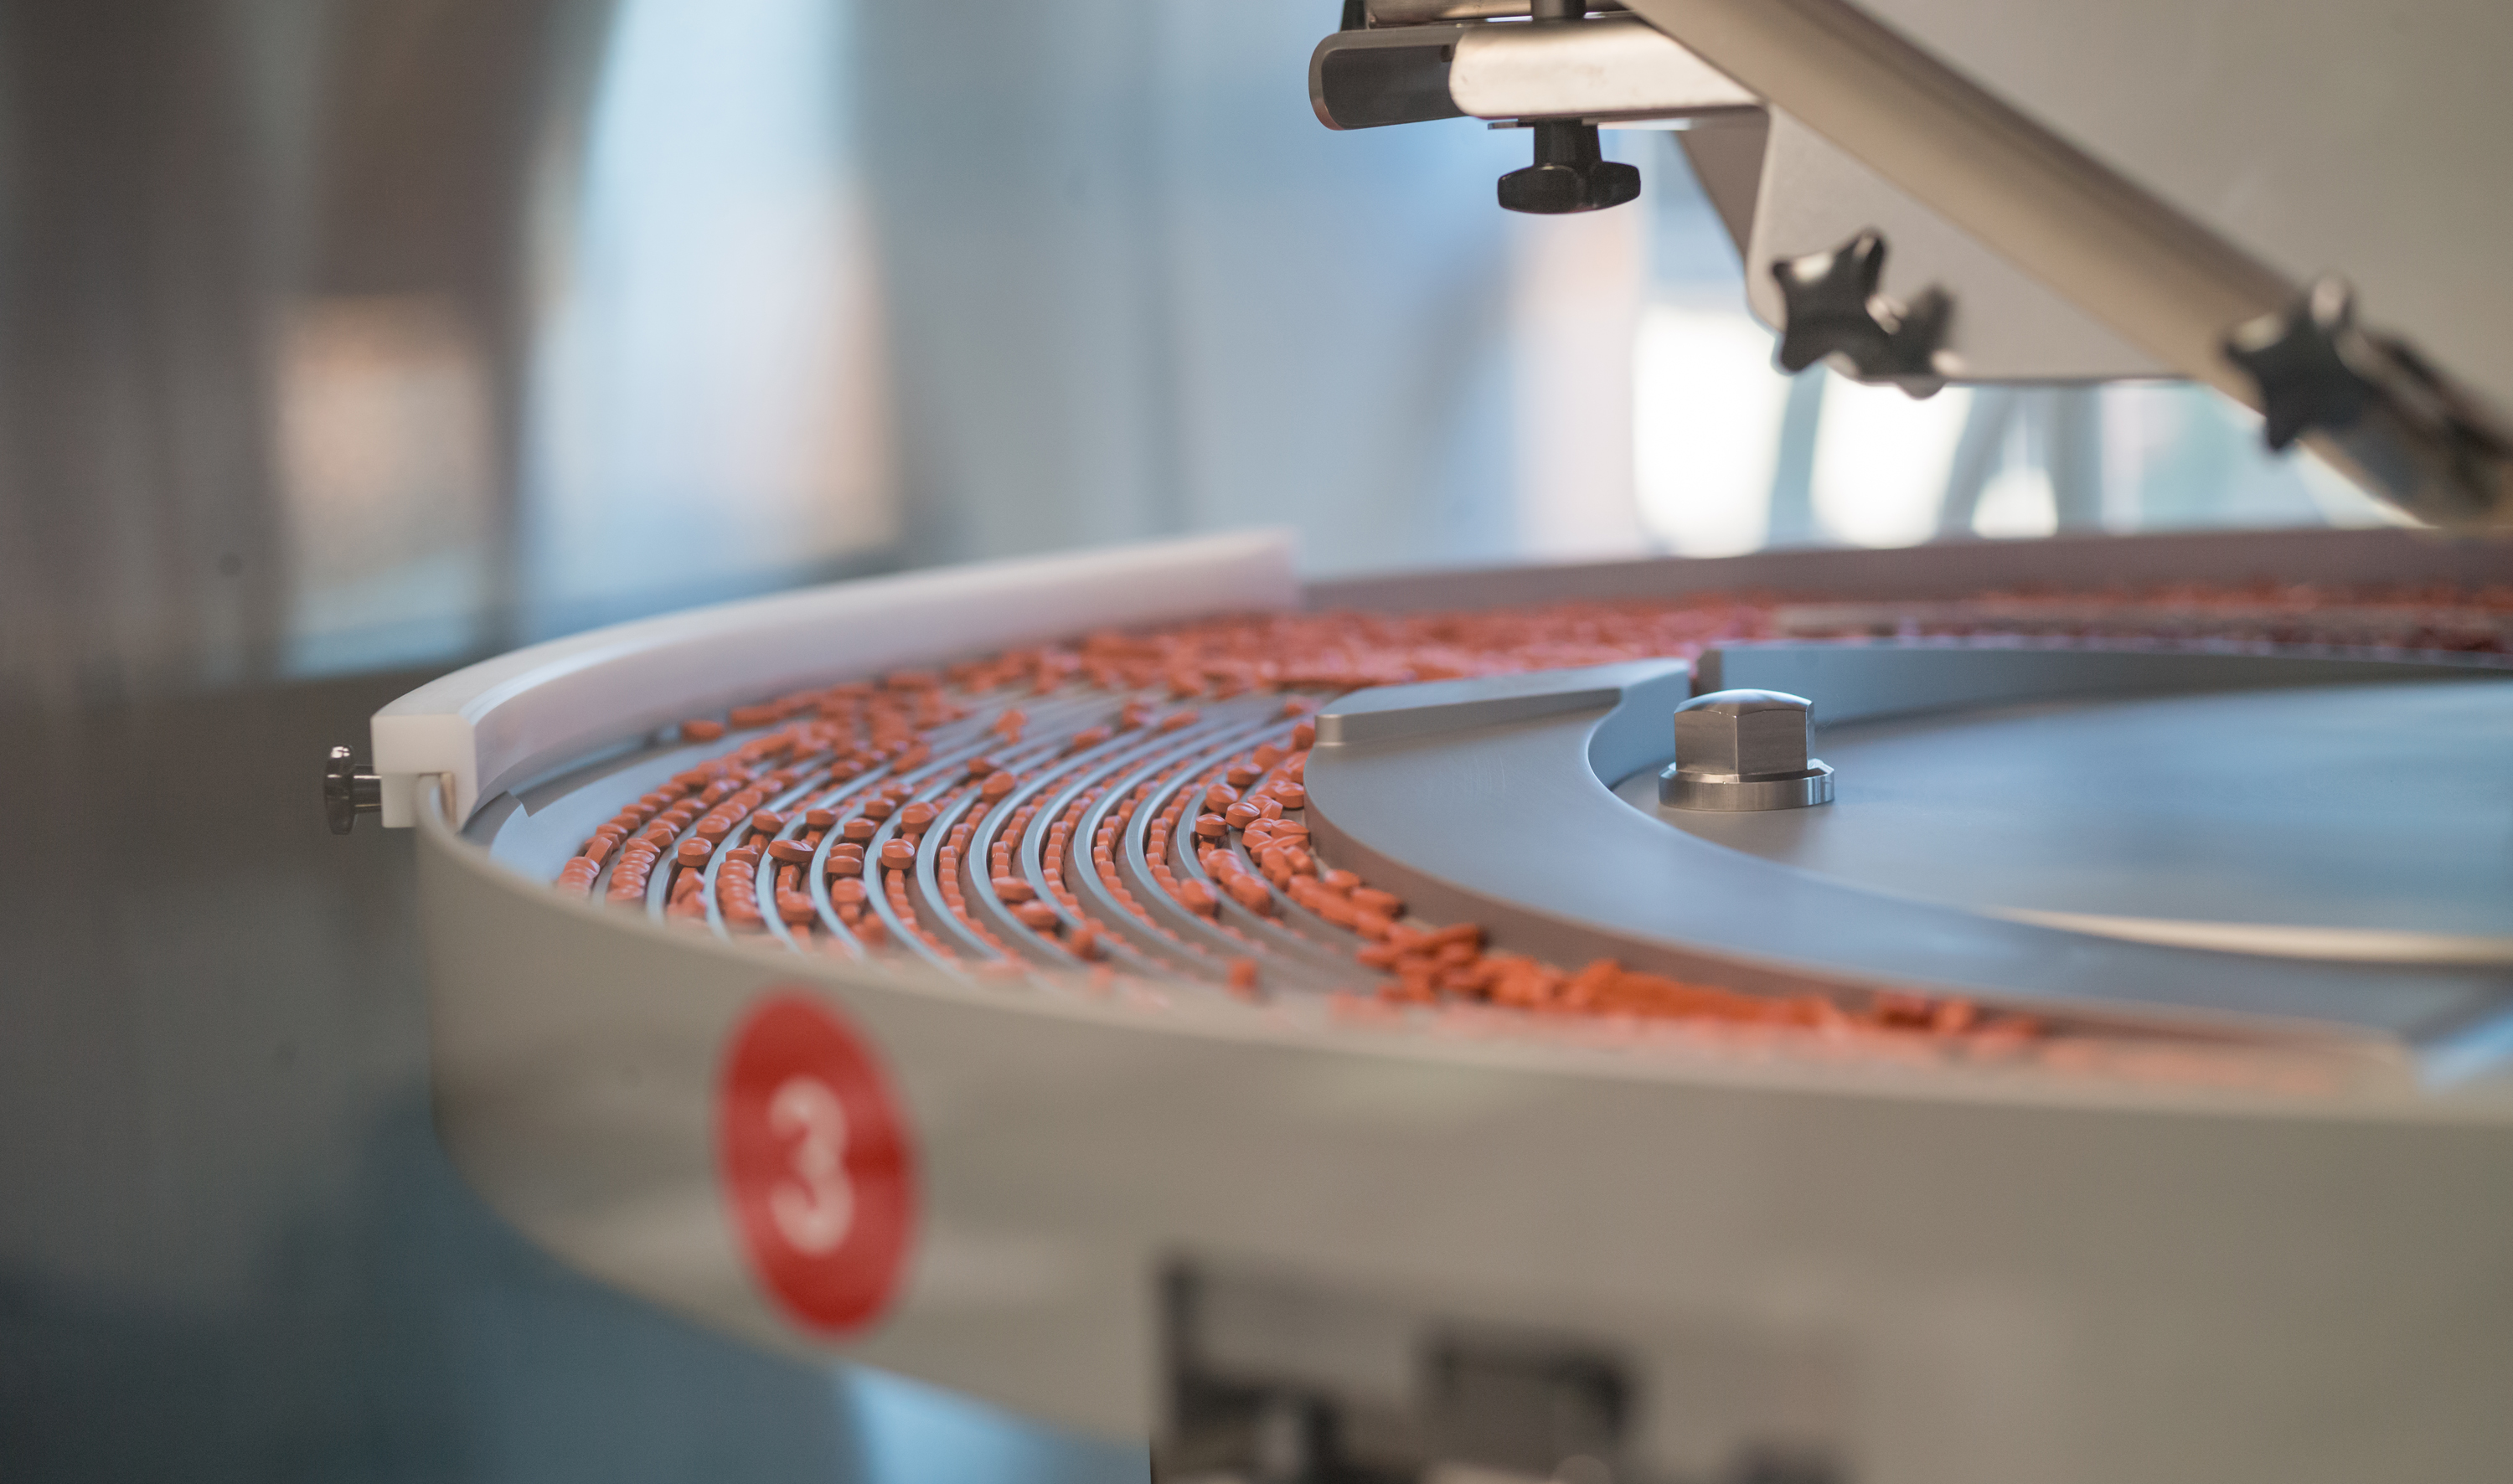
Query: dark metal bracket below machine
(1277,1381)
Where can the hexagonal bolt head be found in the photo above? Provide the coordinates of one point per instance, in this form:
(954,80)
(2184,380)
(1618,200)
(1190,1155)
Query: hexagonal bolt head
(1738,750)
(1743,734)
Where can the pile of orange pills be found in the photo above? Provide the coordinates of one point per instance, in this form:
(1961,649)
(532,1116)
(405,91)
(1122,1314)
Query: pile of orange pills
(1130,808)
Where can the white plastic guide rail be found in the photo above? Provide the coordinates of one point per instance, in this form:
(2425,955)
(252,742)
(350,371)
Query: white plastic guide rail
(496,724)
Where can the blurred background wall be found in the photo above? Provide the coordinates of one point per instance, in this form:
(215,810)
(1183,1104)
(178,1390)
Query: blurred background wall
(342,340)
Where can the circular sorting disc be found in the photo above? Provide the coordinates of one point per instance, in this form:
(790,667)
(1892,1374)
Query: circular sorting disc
(2352,821)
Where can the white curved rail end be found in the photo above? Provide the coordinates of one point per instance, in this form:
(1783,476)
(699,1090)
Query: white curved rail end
(494,724)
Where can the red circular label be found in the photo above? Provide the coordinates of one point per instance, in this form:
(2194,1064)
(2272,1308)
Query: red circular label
(816,1163)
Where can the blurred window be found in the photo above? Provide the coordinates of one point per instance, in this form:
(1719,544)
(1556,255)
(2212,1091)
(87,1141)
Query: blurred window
(1133,292)
(702,409)
(387,473)
(707,409)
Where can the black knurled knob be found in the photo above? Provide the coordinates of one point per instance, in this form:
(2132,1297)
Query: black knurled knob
(1830,307)
(1569,175)
(2305,358)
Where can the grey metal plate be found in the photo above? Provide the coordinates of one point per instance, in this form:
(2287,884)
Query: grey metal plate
(1508,819)
(2355,821)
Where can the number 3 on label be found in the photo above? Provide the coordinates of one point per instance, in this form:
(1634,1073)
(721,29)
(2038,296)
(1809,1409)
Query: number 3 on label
(814,1206)
(819,1170)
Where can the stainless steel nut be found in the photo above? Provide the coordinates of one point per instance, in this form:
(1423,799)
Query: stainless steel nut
(1745,750)
(1742,733)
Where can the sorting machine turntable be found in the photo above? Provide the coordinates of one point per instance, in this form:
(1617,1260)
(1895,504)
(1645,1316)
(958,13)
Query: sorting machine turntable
(1348,1073)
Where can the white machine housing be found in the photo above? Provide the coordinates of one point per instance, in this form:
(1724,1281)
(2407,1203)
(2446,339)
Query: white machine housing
(1893,1274)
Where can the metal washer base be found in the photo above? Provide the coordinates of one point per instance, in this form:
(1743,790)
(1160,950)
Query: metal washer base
(1734,794)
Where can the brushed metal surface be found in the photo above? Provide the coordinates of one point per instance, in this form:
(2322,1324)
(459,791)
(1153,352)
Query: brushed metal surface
(2103,230)
(1615,66)
(2008,325)
(1578,871)
(2367,821)
(2320,135)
